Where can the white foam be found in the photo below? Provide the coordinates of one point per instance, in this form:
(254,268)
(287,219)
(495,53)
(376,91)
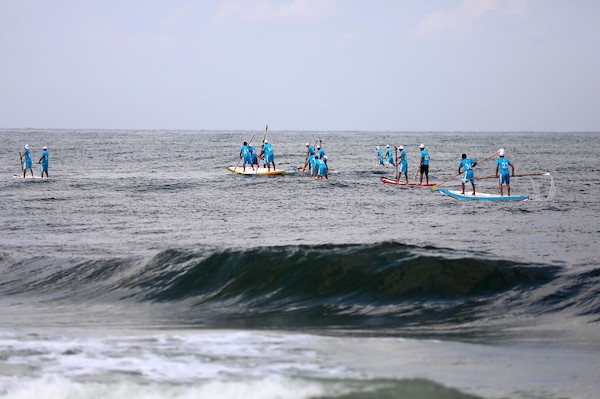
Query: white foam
(184,358)
(274,387)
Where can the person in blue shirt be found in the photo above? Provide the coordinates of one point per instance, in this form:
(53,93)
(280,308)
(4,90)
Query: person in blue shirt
(502,166)
(310,152)
(44,161)
(269,155)
(379,156)
(321,153)
(246,154)
(313,164)
(467,164)
(26,162)
(389,155)
(253,155)
(321,168)
(424,165)
(402,163)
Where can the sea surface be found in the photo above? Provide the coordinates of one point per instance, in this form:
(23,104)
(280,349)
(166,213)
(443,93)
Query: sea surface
(142,268)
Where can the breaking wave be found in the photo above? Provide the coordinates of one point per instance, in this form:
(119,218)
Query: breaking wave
(367,286)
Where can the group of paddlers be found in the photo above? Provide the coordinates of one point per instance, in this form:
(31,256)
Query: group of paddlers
(315,160)
(250,157)
(27,163)
(504,167)
(401,161)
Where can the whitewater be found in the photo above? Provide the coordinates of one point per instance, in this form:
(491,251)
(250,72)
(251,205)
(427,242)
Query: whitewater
(142,268)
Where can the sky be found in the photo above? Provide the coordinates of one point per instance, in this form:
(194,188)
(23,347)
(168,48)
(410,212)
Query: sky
(322,65)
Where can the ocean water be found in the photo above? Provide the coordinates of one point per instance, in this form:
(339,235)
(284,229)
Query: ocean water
(142,268)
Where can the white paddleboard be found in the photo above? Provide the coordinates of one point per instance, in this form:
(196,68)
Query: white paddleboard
(28,176)
(255,171)
(482,196)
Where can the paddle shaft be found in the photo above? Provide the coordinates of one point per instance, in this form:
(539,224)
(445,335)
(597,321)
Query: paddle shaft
(396,164)
(517,175)
(263,146)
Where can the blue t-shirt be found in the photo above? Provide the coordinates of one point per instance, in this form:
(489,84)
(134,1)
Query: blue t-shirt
(45,158)
(402,154)
(425,156)
(388,152)
(321,153)
(247,154)
(467,165)
(268,149)
(311,150)
(322,167)
(27,159)
(313,163)
(269,154)
(503,165)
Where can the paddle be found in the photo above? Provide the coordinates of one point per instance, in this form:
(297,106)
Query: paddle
(238,162)
(434,188)
(262,146)
(419,168)
(307,153)
(305,163)
(21,160)
(396,164)
(517,175)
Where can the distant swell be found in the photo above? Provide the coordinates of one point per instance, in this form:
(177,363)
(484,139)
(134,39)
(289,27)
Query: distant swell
(365,286)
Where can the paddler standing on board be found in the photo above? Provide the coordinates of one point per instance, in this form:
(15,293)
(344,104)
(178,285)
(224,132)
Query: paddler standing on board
(310,155)
(26,160)
(402,163)
(502,166)
(379,156)
(269,155)
(320,167)
(253,155)
(390,155)
(424,164)
(321,152)
(44,161)
(246,154)
(314,165)
(467,164)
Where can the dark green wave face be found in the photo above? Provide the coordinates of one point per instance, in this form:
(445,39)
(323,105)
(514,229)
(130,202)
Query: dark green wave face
(384,288)
(359,274)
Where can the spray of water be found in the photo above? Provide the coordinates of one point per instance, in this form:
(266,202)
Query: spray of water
(553,191)
(537,194)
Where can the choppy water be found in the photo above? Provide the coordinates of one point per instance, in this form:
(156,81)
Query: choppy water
(143,268)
